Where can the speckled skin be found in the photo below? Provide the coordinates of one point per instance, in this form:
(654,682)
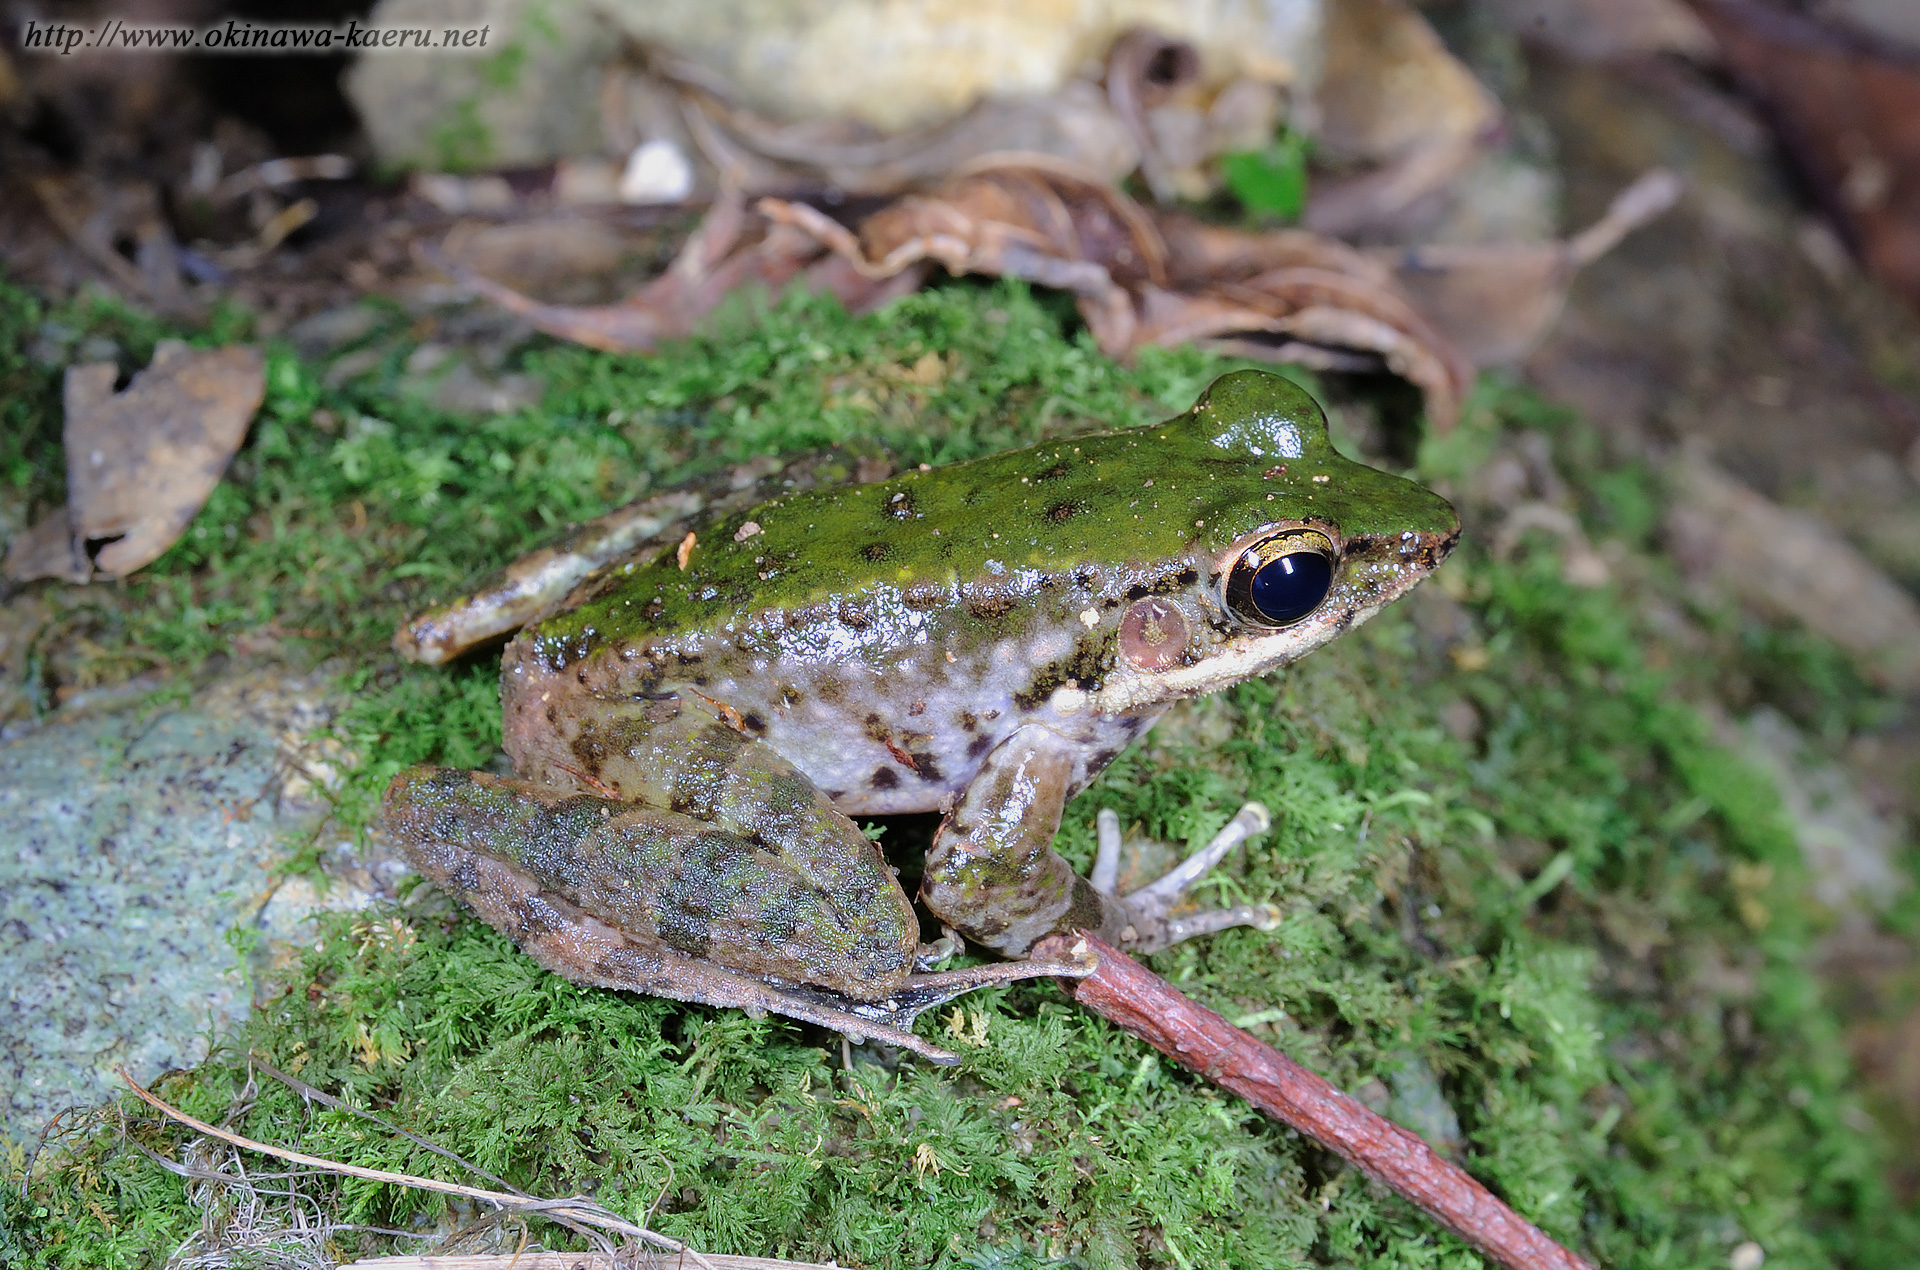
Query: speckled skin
(947,640)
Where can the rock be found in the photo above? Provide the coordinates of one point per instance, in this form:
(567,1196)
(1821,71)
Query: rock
(1850,848)
(1792,565)
(131,842)
(1604,30)
(1420,1104)
(883,63)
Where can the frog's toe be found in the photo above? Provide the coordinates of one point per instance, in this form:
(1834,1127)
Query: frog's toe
(890,1017)
(1152,923)
(940,951)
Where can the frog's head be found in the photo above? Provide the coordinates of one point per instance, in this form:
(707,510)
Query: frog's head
(1296,545)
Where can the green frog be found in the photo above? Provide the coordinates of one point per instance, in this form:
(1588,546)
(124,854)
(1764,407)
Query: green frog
(693,726)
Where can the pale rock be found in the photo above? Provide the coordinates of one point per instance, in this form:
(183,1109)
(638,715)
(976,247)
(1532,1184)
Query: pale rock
(535,95)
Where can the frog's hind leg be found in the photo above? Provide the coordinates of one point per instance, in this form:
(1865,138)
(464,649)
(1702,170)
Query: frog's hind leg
(614,895)
(1153,923)
(574,944)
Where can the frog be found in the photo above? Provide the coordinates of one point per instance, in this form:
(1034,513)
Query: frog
(695,727)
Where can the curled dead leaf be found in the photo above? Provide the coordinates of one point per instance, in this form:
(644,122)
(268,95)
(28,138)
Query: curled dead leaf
(1286,295)
(732,248)
(1316,301)
(141,462)
(1495,301)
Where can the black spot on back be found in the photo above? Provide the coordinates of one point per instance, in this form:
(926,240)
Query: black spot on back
(923,597)
(990,606)
(883,778)
(1064,510)
(1055,472)
(591,750)
(876,551)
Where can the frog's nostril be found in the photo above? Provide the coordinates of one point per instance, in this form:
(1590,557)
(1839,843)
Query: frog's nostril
(1153,634)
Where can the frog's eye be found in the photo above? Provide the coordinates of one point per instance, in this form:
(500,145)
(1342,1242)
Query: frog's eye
(1282,580)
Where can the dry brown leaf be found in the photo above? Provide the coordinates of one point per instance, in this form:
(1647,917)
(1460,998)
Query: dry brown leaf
(1018,216)
(1393,100)
(994,215)
(1495,301)
(1314,318)
(731,249)
(48,550)
(141,463)
(1288,295)
(1848,110)
(1199,254)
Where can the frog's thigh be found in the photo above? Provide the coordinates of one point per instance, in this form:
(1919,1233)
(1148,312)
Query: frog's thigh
(676,755)
(992,872)
(656,876)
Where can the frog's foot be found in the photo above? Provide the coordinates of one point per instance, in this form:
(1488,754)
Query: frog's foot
(1152,923)
(891,1016)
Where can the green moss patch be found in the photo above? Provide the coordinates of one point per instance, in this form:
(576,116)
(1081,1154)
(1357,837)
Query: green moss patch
(1534,908)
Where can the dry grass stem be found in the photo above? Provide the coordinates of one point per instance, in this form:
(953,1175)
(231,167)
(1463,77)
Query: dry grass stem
(572,1211)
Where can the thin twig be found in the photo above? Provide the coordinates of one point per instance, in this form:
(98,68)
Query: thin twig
(328,1100)
(1141,1002)
(53,200)
(39,1144)
(585,1212)
(557,1261)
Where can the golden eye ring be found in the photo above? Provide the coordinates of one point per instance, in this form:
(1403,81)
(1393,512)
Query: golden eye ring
(1283,579)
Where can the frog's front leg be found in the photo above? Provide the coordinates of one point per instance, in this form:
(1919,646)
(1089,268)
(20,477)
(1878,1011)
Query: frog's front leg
(992,872)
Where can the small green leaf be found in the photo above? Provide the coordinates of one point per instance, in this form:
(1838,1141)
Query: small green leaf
(1271,181)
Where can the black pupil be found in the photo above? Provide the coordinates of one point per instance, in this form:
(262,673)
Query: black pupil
(1290,587)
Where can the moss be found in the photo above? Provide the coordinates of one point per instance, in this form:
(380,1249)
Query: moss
(1578,918)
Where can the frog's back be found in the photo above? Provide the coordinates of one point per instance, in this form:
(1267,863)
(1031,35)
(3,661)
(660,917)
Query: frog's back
(1126,500)
(885,636)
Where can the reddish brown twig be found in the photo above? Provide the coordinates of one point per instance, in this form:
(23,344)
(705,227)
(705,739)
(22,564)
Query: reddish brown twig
(1143,1003)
